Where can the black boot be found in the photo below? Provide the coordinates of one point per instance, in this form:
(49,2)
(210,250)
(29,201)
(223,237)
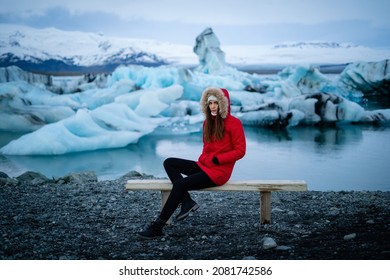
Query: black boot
(186,207)
(153,230)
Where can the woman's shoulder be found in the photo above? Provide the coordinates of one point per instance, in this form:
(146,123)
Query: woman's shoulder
(232,121)
(232,118)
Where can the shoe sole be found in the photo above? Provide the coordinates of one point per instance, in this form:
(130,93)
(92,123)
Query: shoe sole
(193,209)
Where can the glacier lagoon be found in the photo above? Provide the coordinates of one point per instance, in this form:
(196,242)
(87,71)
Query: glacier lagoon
(350,157)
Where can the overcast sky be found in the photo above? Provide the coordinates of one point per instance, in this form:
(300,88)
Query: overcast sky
(242,22)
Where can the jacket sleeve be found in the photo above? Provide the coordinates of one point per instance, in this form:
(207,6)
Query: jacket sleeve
(238,141)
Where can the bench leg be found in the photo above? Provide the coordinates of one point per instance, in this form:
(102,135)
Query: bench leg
(265,205)
(164,198)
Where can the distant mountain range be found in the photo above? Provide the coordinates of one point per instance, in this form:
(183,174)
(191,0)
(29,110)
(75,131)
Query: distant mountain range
(68,65)
(315,45)
(55,51)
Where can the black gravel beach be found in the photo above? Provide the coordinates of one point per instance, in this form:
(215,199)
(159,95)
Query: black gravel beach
(78,217)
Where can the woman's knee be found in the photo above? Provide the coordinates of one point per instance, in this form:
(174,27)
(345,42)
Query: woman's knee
(168,162)
(178,187)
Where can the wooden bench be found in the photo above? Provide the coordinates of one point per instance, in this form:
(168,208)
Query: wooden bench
(265,187)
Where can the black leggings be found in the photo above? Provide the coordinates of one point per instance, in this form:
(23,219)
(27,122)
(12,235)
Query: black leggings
(196,179)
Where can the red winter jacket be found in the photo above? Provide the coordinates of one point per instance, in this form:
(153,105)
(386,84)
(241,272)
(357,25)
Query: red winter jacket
(230,148)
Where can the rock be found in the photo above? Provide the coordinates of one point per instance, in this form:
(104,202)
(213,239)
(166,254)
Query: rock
(81,177)
(135,175)
(283,248)
(8,181)
(334,212)
(350,236)
(33,178)
(276,209)
(246,258)
(269,243)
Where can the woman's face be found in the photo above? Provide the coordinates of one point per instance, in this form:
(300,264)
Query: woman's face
(213,105)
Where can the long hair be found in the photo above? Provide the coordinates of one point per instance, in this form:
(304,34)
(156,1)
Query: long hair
(214,127)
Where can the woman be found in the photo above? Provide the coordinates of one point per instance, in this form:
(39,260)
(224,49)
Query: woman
(223,144)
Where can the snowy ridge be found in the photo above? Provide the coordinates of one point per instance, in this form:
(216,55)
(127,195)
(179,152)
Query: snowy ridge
(51,49)
(315,44)
(23,46)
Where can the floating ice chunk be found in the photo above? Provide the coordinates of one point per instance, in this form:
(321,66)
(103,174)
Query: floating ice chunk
(14,74)
(110,126)
(25,107)
(152,103)
(211,57)
(367,77)
(148,77)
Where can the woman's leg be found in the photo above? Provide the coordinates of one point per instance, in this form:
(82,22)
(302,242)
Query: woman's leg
(180,189)
(196,179)
(175,167)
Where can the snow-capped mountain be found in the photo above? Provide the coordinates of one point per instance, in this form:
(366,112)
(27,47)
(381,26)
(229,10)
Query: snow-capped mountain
(54,51)
(315,44)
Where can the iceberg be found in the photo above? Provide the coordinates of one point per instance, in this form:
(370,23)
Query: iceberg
(85,131)
(92,112)
(211,57)
(368,77)
(111,125)
(26,107)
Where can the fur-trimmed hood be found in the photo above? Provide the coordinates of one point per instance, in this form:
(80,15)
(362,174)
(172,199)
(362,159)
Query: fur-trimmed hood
(223,100)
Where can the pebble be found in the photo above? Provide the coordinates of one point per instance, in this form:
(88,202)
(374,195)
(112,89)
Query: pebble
(269,243)
(350,236)
(283,248)
(247,258)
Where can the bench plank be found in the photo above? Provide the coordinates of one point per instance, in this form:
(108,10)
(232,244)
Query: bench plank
(247,185)
(265,187)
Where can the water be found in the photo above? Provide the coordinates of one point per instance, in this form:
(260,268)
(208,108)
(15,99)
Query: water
(343,158)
